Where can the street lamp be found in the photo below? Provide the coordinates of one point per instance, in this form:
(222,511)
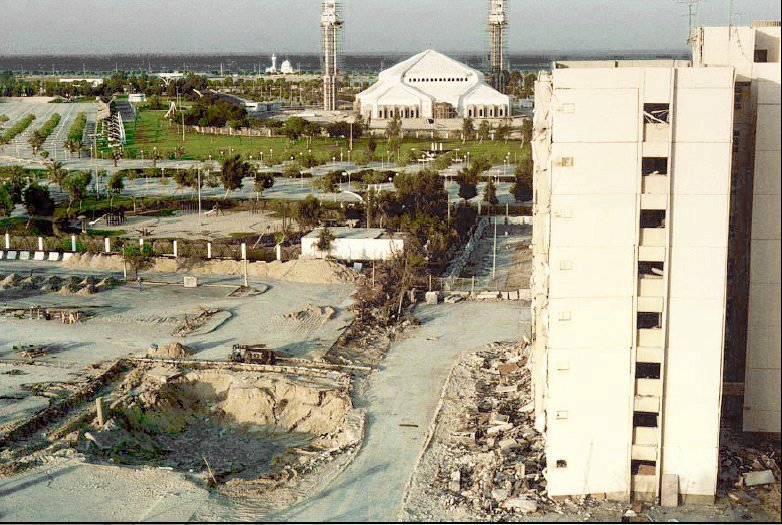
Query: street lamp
(348,175)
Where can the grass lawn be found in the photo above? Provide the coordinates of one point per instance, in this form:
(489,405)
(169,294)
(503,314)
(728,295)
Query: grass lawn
(151,130)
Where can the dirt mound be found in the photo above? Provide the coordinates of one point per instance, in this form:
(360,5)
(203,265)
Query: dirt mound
(53,280)
(30,283)
(89,289)
(70,287)
(10,281)
(302,270)
(106,284)
(172,351)
(89,281)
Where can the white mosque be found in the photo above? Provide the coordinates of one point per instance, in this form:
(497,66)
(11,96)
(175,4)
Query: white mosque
(285,68)
(432,85)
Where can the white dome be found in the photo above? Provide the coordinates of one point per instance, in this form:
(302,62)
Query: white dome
(286,67)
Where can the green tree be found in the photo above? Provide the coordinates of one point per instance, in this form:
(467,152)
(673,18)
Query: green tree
(233,171)
(114,186)
(138,258)
(37,201)
(56,173)
(490,193)
(308,212)
(468,184)
(7,201)
(294,127)
(372,145)
(468,129)
(325,240)
(75,185)
(292,170)
(484,129)
(526,131)
(263,181)
(394,132)
(522,186)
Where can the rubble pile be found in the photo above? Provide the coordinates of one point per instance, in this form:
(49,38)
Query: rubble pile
(750,475)
(491,460)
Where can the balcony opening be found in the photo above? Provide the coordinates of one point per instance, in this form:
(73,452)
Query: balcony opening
(657,113)
(647,371)
(649,320)
(645,419)
(561,463)
(643,468)
(652,218)
(651,269)
(654,166)
(761,56)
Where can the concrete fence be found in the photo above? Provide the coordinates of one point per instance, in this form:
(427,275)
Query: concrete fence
(62,248)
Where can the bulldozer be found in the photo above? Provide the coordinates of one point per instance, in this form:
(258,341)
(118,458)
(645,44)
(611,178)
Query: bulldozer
(252,354)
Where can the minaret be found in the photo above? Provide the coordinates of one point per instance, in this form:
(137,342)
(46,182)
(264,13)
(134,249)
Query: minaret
(498,24)
(331,25)
(274,62)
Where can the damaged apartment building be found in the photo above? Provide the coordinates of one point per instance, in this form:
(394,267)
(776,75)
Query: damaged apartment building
(640,176)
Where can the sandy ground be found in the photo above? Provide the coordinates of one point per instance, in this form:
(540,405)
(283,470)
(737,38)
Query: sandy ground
(186,226)
(127,321)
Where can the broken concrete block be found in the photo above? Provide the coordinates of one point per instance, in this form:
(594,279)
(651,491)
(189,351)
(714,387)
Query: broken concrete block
(646,470)
(506,389)
(508,444)
(453,299)
(432,297)
(500,494)
(521,504)
(669,492)
(507,368)
(499,428)
(763,477)
(498,419)
(455,484)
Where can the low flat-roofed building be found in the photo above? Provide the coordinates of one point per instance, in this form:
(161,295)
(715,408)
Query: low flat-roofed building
(354,244)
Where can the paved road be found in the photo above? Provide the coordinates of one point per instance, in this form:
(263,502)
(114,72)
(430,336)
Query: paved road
(405,392)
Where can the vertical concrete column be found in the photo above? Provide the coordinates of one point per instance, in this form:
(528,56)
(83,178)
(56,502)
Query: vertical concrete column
(244,251)
(209,250)
(7,241)
(73,243)
(40,244)
(175,250)
(106,245)
(99,410)
(278,249)
(141,242)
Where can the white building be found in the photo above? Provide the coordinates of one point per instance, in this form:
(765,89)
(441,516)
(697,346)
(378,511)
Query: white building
(432,85)
(286,68)
(753,353)
(631,211)
(354,244)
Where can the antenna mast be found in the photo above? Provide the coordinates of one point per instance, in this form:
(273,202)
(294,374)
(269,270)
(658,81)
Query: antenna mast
(692,14)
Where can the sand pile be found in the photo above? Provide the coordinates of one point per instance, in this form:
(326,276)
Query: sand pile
(30,283)
(10,281)
(87,290)
(171,351)
(303,270)
(106,284)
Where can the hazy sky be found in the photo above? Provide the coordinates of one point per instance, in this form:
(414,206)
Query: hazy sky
(291,26)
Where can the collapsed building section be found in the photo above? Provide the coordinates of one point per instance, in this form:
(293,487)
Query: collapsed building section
(632,187)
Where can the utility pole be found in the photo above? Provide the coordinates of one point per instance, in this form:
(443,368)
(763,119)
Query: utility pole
(494,257)
(200,222)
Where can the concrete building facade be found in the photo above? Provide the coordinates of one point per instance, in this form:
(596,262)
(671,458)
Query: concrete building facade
(630,240)
(753,339)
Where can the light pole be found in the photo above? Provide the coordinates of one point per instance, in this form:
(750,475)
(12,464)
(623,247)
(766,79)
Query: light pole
(200,223)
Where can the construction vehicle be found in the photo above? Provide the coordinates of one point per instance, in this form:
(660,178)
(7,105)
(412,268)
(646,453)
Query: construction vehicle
(252,354)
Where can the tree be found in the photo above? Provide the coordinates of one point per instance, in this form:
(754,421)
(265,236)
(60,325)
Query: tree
(294,127)
(138,258)
(234,170)
(75,186)
(503,131)
(526,131)
(484,130)
(308,212)
(372,145)
(522,187)
(263,181)
(325,239)
(7,201)
(468,129)
(114,186)
(37,201)
(490,193)
(56,173)
(468,184)
(292,170)
(394,132)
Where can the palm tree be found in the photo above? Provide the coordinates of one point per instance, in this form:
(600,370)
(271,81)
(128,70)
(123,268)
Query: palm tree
(56,173)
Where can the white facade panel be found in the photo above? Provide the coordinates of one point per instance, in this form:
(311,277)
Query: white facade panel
(766,217)
(700,220)
(584,220)
(591,323)
(657,85)
(580,115)
(696,272)
(765,262)
(768,173)
(701,168)
(586,272)
(590,398)
(704,115)
(600,168)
